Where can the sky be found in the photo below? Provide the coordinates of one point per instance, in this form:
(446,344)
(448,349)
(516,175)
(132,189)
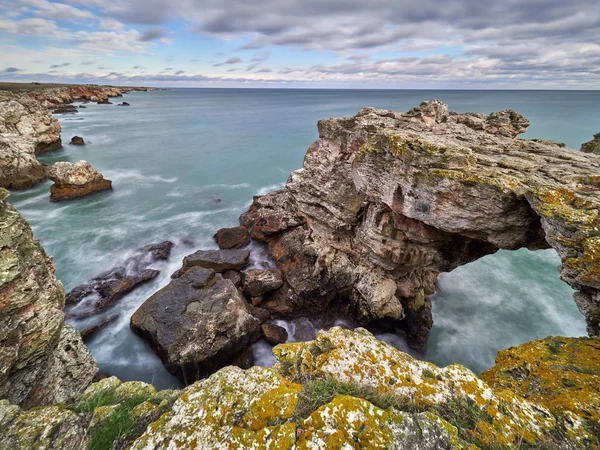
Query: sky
(403,44)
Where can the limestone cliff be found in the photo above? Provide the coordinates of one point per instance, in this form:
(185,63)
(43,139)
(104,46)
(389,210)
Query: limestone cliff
(386,201)
(42,360)
(344,390)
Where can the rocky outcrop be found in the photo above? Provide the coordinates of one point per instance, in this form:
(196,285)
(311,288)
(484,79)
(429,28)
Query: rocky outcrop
(104,290)
(386,201)
(257,282)
(73,180)
(42,360)
(197,324)
(592,146)
(344,389)
(19,168)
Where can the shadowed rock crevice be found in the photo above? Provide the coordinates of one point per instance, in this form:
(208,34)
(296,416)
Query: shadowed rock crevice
(386,201)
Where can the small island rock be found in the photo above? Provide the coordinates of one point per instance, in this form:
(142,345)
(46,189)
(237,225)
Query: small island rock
(77,140)
(75,180)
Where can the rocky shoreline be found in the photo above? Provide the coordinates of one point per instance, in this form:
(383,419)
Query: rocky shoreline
(27,126)
(384,203)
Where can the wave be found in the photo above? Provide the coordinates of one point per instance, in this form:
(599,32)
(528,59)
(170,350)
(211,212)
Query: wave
(119,175)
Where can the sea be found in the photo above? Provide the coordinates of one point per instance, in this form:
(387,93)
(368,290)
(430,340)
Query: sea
(186,162)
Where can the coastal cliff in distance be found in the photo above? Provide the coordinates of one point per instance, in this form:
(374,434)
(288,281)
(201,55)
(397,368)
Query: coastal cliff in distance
(386,201)
(27,127)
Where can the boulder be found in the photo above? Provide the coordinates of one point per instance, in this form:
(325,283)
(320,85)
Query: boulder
(592,146)
(73,180)
(234,276)
(77,140)
(257,282)
(197,324)
(234,237)
(217,260)
(123,104)
(105,289)
(273,334)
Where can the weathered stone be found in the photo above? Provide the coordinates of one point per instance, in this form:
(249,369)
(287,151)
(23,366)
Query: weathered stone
(592,146)
(273,334)
(492,418)
(65,109)
(559,373)
(48,428)
(73,180)
(77,140)
(197,323)
(257,282)
(217,260)
(36,349)
(19,169)
(234,237)
(386,201)
(108,287)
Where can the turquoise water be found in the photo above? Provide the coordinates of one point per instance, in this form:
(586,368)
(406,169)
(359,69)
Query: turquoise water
(186,162)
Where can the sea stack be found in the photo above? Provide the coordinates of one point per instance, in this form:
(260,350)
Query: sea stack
(77,140)
(75,180)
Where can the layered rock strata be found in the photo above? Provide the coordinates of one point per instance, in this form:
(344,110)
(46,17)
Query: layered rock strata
(386,201)
(42,360)
(73,180)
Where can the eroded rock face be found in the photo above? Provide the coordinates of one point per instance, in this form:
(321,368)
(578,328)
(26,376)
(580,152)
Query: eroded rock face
(41,360)
(386,201)
(19,168)
(257,282)
(73,180)
(197,324)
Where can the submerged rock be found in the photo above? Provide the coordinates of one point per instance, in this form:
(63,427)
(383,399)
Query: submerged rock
(73,180)
(105,289)
(90,331)
(77,140)
(42,360)
(217,260)
(592,146)
(65,109)
(386,201)
(197,324)
(234,237)
(123,104)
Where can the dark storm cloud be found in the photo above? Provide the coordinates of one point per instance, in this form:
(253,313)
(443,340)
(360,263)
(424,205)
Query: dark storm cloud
(232,60)
(152,34)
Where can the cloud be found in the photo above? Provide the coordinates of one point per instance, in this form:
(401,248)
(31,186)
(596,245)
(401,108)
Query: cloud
(152,34)
(11,70)
(232,60)
(54,66)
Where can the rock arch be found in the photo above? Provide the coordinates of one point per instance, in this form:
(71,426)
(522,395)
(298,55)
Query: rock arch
(386,201)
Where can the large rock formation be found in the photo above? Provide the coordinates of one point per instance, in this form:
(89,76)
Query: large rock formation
(42,360)
(386,201)
(73,180)
(197,324)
